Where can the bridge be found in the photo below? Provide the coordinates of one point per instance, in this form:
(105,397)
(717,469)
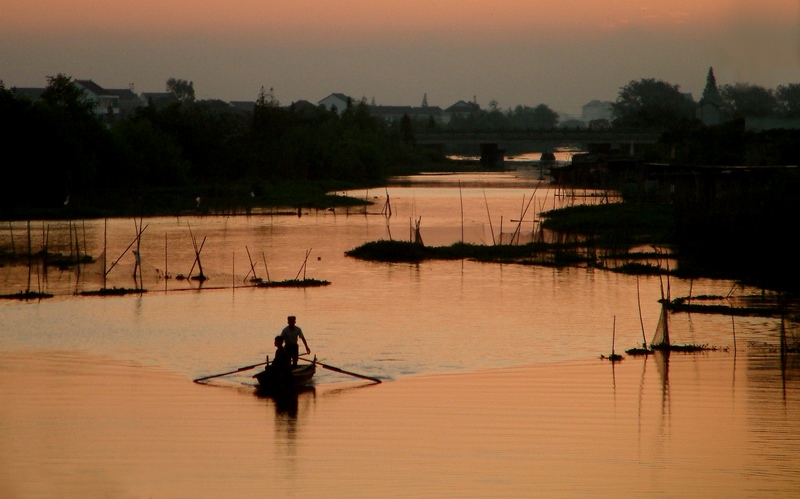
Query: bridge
(493,145)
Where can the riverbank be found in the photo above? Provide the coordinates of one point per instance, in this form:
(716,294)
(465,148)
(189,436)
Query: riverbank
(611,236)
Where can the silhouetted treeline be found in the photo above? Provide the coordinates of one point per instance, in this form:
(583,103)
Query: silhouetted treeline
(492,119)
(58,152)
(657,104)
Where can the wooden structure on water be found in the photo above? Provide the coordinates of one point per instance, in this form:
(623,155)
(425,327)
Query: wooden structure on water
(706,187)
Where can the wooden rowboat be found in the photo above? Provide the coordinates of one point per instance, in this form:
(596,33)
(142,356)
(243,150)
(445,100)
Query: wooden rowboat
(299,377)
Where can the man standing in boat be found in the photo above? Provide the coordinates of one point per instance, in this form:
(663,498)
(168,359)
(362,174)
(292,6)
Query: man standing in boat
(290,335)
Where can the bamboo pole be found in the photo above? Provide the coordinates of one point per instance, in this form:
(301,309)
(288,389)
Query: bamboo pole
(126,250)
(136,251)
(13,245)
(105,247)
(84,238)
(45,250)
(77,251)
(613,335)
(30,258)
(69,227)
(196,254)
(523,213)
(461,200)
(486,201)
(303,267)
(266,269)
(197,257)
(641,321)
(501,230)
(139,254)
(252,266)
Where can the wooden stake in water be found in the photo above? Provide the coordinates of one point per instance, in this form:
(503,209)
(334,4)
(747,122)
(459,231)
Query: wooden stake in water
(266,269)
(105,248)
(13,246)
(303,267)
(30,258)
(613,335)
(461,199)
(252,265)
(490,217)
(641,322)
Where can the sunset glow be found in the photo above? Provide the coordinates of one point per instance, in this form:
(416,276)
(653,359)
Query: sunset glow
(397,50)
(381,18)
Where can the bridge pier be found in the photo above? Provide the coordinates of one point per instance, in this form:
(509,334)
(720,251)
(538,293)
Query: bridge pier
(492,156)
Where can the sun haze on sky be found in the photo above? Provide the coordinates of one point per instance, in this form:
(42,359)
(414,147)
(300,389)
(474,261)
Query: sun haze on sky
(560,53)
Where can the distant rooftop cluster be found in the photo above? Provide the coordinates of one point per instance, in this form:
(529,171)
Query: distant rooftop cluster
(595,114)
(119,102)
(114,101)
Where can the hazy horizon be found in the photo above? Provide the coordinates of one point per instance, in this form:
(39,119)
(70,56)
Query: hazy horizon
(517,52)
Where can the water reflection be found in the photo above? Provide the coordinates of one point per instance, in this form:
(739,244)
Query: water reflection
(533,412)
(287,403)
(293,405)
(661,358)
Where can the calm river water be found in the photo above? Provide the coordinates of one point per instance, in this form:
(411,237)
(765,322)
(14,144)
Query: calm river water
(493,381)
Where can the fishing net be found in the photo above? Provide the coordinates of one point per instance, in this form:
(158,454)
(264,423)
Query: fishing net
(661,336)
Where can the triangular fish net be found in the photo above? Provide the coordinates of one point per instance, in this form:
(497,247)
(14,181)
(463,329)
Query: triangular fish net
(661,336)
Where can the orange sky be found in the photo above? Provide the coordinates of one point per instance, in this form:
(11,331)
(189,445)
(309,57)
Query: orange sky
(335,17)
(396,50)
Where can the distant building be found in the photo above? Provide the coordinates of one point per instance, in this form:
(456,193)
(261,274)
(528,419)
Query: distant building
(128,100)
(460,109)
(390,114)
(105,102)
(112,103)
(338,101)
(303,107)
(596,110)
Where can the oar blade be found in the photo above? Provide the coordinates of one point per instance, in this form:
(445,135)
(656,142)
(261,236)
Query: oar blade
(340,370)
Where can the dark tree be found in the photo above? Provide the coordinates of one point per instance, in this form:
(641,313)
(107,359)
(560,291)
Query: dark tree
(183,90)
(650,103)
(540,116)
(742,100)
(788,97)
(61,92)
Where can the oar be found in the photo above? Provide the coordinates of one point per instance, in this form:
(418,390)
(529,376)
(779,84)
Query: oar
(245,368)
(339,370)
